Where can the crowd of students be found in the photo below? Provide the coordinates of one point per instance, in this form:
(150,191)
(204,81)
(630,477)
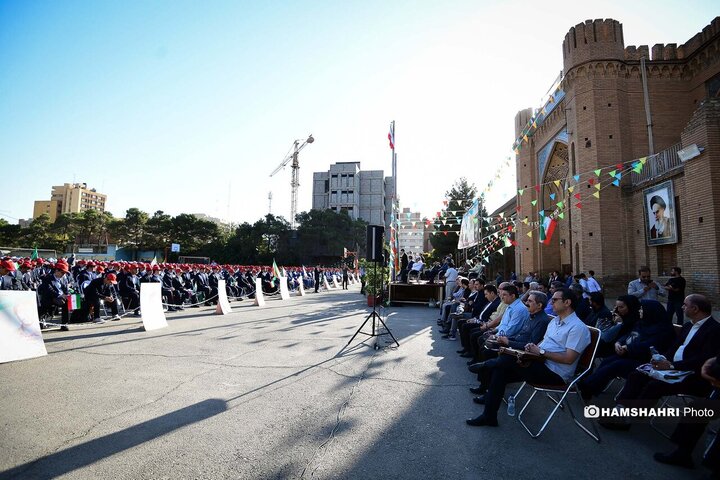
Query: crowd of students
(115,286)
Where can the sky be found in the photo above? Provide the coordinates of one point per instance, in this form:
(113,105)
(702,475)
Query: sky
(188,106)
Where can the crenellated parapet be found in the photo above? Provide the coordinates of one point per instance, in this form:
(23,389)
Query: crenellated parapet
(593,40)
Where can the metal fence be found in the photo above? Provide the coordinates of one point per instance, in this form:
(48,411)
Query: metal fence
(658,165)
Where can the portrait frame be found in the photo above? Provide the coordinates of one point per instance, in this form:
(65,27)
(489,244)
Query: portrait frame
(660,231)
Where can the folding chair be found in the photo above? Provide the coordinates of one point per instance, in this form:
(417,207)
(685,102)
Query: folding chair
(584,366)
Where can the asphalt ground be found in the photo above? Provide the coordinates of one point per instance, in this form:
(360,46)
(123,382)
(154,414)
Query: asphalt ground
(273,393)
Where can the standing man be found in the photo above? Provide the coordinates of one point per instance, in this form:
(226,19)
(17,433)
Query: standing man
(644,288)
(451,275)
(344,277)
(404,266)
(675,287)
(318,277)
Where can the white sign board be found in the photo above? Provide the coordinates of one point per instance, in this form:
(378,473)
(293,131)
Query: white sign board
(325,282)
(151,308)
(284,294)
(301,288)
(335,284)
(223,305)
(259,299)
(20,336)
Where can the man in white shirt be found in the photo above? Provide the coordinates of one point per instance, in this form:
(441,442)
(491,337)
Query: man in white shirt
(451,274)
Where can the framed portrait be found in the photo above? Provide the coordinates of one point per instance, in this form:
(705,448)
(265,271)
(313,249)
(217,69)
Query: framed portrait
(660,221)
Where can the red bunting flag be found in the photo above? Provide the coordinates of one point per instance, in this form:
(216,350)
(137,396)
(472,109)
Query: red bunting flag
(537,188)
(591,181)
(577,195)
(579,205)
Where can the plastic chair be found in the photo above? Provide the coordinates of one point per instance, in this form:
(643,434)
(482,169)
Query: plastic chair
(584,366)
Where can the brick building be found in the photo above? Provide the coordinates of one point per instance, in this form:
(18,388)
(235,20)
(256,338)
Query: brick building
(598,119)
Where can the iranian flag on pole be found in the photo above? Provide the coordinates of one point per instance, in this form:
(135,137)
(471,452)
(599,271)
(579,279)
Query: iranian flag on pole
(276,270)
(546,230)
(391,137)
(74,302)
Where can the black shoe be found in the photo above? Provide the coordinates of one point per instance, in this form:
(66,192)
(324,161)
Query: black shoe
(446,335)
(461,351)
(479,400)
(476,367)
(467,355)
(64,328)
(479,390)
(481,421)
(471,361)
(675,458)
(444,330)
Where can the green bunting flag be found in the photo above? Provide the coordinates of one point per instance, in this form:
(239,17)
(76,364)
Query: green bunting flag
(597,172)
(34,255)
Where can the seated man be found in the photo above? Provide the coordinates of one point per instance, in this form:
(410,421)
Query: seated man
(465,309)
(99,290)
(461,291)
(687,434)
(477,338)
(565,340)
(699,340)
(532,331)
(475,323)
(417,269)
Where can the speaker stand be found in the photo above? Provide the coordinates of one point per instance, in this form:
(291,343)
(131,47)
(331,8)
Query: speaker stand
(375,316)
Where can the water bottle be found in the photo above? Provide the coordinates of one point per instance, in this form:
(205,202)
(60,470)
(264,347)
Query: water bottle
(656,356)
(511,405)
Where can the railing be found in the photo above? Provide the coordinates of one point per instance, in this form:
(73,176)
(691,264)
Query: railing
(658,165)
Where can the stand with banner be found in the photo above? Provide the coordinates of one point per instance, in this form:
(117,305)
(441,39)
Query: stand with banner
(469,236)
(151,308)
(259,299)
(223,305)
(284,293)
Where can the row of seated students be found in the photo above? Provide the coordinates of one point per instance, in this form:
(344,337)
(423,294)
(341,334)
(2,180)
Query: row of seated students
(484,317)
(109,283)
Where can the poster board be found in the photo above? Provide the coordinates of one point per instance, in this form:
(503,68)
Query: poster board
(20,336)
(223,305)
(151,308)
(259,299)
(284,293)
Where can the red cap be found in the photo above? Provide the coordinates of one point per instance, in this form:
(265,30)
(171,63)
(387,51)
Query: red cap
(8,264)
(63,267)
(111,277)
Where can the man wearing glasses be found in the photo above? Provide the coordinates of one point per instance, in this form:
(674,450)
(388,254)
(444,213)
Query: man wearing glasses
(565,339)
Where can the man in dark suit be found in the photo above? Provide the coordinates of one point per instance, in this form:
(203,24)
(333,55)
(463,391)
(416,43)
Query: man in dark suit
(403,266)
(699,341)
(318,277)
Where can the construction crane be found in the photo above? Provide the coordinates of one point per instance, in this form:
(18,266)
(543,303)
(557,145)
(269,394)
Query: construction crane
(295,179)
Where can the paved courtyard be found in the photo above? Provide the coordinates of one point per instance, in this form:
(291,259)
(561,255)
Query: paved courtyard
(271,393)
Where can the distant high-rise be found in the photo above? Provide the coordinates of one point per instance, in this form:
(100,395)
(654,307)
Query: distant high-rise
(70,198)
(363,194)
(411,231)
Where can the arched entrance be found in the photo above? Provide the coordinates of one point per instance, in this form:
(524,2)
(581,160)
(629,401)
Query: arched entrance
(554,190)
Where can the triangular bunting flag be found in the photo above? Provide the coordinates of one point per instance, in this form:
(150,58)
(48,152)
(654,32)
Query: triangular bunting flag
(576,177)
(521,191)
(612,173)
(591,181)
(596,194)
(529,234)
(556,182)
(616,183)
(618,175)
(577,195)
(643,160)
(597,186)
(552,196)
(534,202)
(597,172)
(537,188)
(570,189)
(561,215)
(525,220)
(561,204)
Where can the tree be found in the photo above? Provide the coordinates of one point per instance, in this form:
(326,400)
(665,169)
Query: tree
(158,231)
(460,198)
(37,234)
(322,235)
